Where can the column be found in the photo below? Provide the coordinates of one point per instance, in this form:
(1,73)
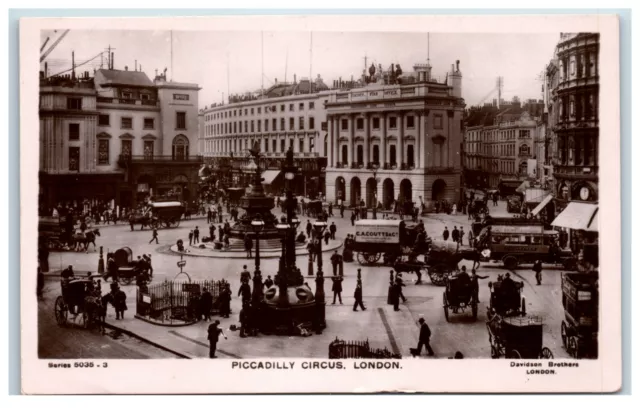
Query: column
(400,148)
(335,136)
(351,137)
(383,143)
(418,148)
(367,140)
(329,154)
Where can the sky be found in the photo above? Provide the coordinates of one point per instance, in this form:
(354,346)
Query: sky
(220,62)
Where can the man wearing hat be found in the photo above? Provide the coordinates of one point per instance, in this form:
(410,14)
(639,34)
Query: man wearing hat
(357,294)
(214,333)
(425,338)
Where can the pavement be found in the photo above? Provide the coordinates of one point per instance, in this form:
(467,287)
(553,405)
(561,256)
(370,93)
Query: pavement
(383,327)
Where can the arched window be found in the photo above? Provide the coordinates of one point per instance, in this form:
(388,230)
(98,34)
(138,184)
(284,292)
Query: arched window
(525,150)
(392,155)
(180,148)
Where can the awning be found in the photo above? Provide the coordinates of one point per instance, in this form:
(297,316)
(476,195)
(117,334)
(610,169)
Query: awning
(269,176)
(525,185)
(535,195)
(578,216)
(542,204)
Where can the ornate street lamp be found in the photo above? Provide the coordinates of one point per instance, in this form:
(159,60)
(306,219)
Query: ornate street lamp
(258,225)
(375,168)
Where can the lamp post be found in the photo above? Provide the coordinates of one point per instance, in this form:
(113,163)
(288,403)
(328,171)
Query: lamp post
(258,225)
(375,167)
(320,227)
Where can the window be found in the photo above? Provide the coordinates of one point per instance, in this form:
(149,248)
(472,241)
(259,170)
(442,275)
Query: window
(437,121)
(410,161)
(252,126)
(180,148)
(392,155)
(127,95)
(360,123)
(126,123)
(301,145)
(103,151)
(266,125)
(149,123)
(252,111)
(235,113)
(181,120)
(259,126)
(360,155)
(259,111)
(74,131)
(376,123)
(291,124)
(312,123)
(246,112)
(312,105)
(291,107)
(240,112)
(103,120)
(410,122)
(573,66)
(275,145)
(282,108)
(246,126)
(282,143)
(345,155)
(376,154)
(125,148)
(393,122)
(74,159)
(301,123)
(148,149)
(301,106)
(344,124)
(145,97)
(235,127)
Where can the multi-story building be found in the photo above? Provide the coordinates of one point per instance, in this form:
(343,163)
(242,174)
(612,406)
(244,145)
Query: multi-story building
(285,115)
(573,90)
(408,131)
(117,137)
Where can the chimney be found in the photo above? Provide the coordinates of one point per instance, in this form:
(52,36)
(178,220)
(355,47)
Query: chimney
(275,81)
(73,65)
(111,67)
(126,68)
(452,68)
(46,69)
(457,65)
(135,66)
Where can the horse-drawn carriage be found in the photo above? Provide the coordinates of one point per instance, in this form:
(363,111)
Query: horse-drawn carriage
(59,234)
(517,337)
(580,327)
(121,264)
(166,213)
(458,295)
(506,298)
(443,258)
(314,208)
(79,298)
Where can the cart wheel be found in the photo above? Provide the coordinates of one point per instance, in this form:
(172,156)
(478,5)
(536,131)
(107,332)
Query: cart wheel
(495,352)
(572,347)
(445,306)
(372,258)
(514,355)
(361,259)
(167,223)
(523,308)
(377,257)
(510,262)
(545,354)
(61,311)
(563,333)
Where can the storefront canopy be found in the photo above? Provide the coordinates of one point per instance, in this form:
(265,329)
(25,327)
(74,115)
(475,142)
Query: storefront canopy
(269,176)
(535,195)
(523,186)
(578,216)
(542,204)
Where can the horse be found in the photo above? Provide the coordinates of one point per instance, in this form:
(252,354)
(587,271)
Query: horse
(96,310)
(88,238)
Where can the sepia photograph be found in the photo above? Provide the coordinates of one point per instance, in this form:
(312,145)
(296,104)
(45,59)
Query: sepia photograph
(305,201)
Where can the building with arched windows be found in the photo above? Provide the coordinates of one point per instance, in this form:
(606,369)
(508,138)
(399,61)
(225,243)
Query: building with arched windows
(117,137)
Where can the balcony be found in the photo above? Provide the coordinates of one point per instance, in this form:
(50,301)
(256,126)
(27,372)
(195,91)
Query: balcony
(123,160)
(128,101)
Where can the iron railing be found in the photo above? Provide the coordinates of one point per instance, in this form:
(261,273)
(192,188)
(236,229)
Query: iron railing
(339,349)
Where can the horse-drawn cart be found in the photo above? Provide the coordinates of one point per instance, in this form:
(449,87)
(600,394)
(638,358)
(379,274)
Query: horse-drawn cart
(517,337)
(79,298)
(458,295)
(121,264)
(443,258)
(166,213)
(580,327)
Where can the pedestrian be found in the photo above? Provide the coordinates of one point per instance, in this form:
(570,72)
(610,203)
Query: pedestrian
(155,235)
(245,292)
(212,232)
(474,284)
(333,229)
(311,249)
(335,261)
(147,260)
(268,282)
(244,320)
(445,234)
(213,333)
(206,303)
(341,210)
(308,227)
(470,237)
(196,235)
(461,238)
(209,215)
(119,303)
(225,301)
(327,235)
(337,289)
(220,233)
(400,284)
(248,245)
(330,209)
(131,221)
(455,234)
(357,295)
(353,218)
(190,237)
(424,338)
(395,296)
(537,268)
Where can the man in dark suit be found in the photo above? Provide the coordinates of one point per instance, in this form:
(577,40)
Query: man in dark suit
(425,338)
(214,333)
